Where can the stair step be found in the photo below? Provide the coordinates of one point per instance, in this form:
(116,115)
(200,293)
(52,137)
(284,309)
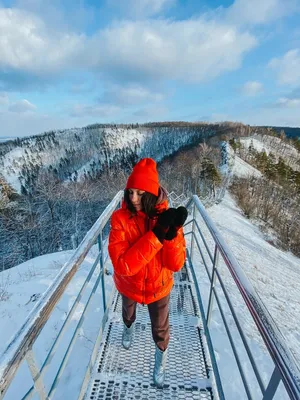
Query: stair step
(127,374)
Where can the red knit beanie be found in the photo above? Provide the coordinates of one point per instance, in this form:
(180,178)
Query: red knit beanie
(144,176)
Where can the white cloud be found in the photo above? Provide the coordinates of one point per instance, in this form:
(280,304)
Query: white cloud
(25,124)
(192,50)
(252,88)
(151,113)
(21,106)
(130,95)
(219,117)
(62,15)
(260,11)
(99,111)
(290,103)
(81,88)
(27,44)
(282,117)
(287,67)
(141,8)
(3,99)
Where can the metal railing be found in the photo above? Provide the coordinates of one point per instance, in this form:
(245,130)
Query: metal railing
(176,200)
(21,347)
(285,367)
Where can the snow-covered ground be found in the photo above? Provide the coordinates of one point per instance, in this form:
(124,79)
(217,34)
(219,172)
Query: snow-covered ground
(241,168)
(274,274)
(21,288)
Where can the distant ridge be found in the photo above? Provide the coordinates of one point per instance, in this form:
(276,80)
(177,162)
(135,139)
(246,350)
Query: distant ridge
(5,138)
(289,131)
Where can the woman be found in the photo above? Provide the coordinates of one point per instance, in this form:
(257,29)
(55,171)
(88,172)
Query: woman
(146,245)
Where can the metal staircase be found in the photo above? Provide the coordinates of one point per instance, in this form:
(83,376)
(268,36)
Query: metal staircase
(127,374)
(195,369)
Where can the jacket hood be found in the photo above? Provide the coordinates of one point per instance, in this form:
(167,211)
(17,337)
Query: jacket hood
(162,201)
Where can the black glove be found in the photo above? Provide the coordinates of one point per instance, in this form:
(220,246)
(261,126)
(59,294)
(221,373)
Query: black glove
(179,220)
(164,221)
(181,216)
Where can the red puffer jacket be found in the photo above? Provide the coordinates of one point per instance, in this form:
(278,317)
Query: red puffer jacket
(143,266)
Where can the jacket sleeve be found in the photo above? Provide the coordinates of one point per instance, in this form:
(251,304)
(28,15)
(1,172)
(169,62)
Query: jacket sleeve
(174,252)
(129,259)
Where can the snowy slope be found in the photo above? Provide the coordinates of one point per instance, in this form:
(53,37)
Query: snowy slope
(80,151)
(240,167)
(271,271)
(274,274)
(21,288)
(274,145)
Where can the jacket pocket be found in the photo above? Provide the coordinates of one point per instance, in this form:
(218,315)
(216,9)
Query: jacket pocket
(166,276)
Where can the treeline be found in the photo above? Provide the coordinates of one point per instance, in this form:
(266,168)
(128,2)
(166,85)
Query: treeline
(277,207)
(290,132)
(290,136)
(192,171)
(54,216)
(271,166)
(274,198)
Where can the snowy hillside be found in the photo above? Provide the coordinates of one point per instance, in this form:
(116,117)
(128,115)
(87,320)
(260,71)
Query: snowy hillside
(78,152)
(274,274)
(240,167)
(270,270)
(274,145)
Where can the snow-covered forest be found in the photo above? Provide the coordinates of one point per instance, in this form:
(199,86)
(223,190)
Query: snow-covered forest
(272,194)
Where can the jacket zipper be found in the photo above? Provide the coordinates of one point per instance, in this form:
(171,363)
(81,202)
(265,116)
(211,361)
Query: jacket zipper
(144,289)
(162,275)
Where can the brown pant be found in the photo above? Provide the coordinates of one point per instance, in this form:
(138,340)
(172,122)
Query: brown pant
(159,316)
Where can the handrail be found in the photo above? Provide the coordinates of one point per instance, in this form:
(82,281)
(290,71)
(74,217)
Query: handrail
(273,338)
(24,339)
(21,345)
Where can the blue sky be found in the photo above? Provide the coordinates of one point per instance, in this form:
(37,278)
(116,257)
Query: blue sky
(76,62)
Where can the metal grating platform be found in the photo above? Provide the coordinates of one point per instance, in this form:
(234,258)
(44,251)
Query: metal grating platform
(127,374)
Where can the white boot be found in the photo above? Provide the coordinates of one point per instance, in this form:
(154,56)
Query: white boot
(127,336)
(159,367)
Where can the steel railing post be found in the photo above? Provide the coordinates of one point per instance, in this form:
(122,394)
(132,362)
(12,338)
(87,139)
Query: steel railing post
(272,385)
(193,232)
(36,376)
(100,247)
(212,285)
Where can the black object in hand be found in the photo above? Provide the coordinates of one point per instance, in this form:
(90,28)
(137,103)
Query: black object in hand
(167,217)
(164,221)
(181,216)
(171,234)
(179,220)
